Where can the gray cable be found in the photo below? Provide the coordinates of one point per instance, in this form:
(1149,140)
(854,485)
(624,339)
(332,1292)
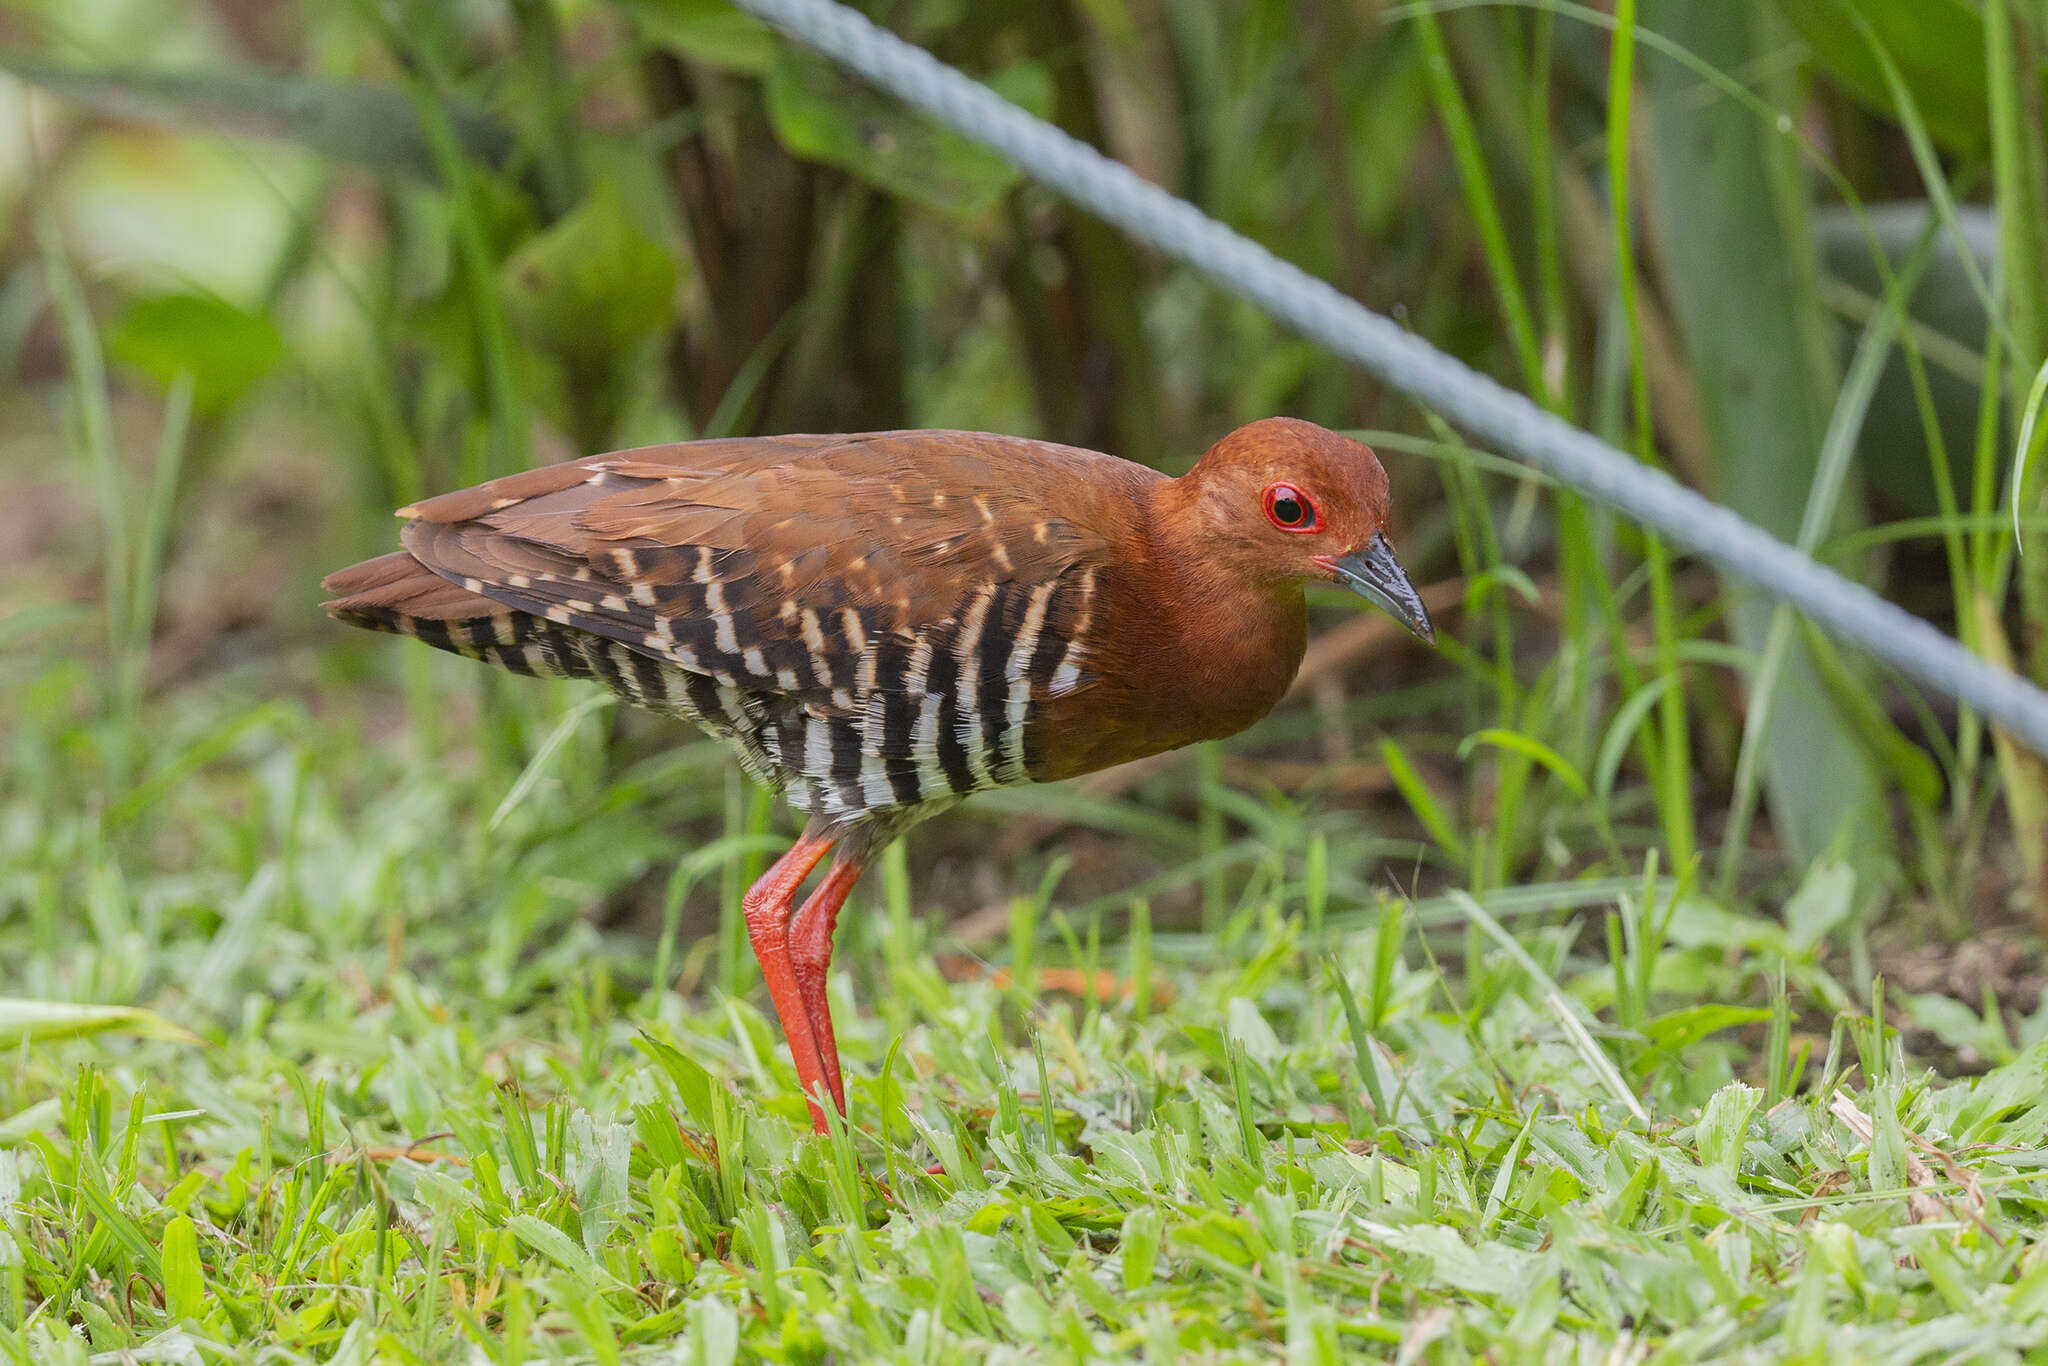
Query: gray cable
(1504,419)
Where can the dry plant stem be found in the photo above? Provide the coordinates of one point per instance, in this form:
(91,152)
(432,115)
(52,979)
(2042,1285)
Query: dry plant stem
(1921,1204)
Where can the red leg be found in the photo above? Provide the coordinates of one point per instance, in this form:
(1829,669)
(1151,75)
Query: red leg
(767,907)
(810,953)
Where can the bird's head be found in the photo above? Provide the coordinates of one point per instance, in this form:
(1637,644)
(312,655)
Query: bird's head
(1282,501)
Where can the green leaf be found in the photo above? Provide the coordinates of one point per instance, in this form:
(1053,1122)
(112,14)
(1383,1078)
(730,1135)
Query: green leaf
(1958,1026)
(225,349)
(1724,1126)
(586,294)
(1821,904)
(559,1248)
(2025,447)
(1905,763)
(693,1084)
(25,1021)
(823,113)
(590,286)
(711,31)
(1529,747)
(1219,1235)
(714,1332)
(1621,733)
(184,1281)
(1680,1029)
(1938,45)
(1421,800)
(1139,1242)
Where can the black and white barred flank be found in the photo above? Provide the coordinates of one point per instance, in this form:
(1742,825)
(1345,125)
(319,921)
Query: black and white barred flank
(849,719)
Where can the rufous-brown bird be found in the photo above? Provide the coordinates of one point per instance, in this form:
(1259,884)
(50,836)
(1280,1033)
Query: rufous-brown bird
(880,625)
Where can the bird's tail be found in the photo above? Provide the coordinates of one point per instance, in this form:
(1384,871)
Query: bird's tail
(398,594)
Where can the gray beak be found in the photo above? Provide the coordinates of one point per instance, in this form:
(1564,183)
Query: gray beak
(1374,574)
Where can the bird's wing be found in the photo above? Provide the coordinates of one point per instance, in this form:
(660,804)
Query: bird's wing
(820,568)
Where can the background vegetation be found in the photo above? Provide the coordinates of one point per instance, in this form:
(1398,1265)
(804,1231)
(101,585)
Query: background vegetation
(1641,975)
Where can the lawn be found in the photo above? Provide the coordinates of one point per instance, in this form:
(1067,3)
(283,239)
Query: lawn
(396,1097)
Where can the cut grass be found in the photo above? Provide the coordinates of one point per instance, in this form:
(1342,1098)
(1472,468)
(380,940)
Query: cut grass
(432,1111)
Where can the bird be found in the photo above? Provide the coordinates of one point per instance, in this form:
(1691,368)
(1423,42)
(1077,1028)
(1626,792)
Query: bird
(882,624)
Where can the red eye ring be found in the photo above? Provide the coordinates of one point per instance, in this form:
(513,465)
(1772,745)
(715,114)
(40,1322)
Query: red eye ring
(1289,509)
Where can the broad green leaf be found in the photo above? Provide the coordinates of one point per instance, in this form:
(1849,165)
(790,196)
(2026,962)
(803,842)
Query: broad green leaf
(823,113)
(1958,1026)
(559,1248)
(171,212)
(1027,1312)
(714,1332)
(711,31)
(1250,1031)
(1139,1243)
(1821,904)
(586,293)
(1680,1029)
(42,1021)
(1219,1235)
(225,349)
(693,1084)
(184,1281)
(1743,280)
(1724,1125)
(592,285)
(1938,44)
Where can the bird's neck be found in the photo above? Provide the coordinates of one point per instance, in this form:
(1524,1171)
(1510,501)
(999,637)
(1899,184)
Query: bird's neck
(1231,642)
(1191,650)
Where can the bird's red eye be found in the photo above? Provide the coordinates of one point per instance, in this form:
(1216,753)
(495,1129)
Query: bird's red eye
(1288,508)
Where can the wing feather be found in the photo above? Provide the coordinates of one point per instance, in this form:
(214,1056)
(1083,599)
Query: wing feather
(777,565)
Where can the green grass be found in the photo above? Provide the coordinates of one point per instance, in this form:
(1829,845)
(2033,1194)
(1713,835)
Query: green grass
(394,1096)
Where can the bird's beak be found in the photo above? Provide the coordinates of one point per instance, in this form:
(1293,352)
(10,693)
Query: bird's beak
(1372,572)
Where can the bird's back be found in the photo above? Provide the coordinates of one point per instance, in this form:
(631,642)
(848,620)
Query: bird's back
(871,621)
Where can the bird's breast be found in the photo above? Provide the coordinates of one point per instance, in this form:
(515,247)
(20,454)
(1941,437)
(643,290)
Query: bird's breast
(1167,669)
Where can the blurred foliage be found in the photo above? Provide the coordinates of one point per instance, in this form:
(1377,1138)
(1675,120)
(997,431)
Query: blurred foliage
(823,113)
(588,294)
(225,349)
